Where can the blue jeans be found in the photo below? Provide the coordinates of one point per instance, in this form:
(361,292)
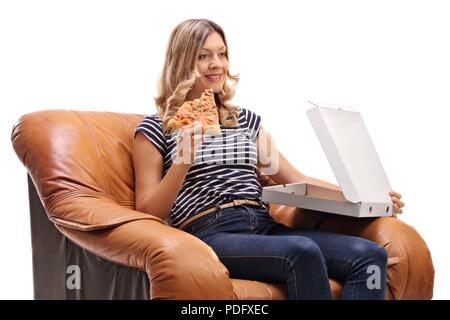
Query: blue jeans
(253,246)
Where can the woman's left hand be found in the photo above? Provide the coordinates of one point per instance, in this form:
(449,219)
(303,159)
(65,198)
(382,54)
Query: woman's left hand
(398,205)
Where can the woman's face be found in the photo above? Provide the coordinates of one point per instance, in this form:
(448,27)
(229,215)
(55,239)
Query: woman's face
(212,65)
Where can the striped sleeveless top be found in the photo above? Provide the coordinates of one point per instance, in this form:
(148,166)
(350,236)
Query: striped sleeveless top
(224,168)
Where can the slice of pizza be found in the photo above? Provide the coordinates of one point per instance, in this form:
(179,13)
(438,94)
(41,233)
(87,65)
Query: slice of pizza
(203,110)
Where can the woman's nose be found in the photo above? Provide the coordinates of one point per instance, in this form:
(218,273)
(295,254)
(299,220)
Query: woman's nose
(215,62)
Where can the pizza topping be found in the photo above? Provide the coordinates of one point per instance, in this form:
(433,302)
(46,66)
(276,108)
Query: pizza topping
(203,109)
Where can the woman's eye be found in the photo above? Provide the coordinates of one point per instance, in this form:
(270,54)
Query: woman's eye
(203,56)
(223,54)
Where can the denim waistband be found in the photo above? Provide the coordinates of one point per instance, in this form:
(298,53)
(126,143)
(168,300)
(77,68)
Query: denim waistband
(216,208)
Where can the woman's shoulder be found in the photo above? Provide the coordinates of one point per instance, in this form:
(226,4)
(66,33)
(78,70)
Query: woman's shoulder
(151,127)
(247,112)
(151,123)
(250,120)
(152,120)
(248,115)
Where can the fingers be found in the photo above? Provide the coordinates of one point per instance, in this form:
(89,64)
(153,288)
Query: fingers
(396,201)
(397,209)
(395,194)
(185,140)
(192,129)
(198,128)
(189,138)
(400,204)
(397,204)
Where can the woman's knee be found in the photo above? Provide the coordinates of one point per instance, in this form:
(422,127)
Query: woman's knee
(302,247)
(371,253)
(380,255)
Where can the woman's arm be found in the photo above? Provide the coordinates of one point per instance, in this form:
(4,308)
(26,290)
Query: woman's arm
(155,195)
(272,161)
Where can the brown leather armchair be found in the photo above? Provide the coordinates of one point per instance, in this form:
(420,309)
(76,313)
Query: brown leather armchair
(81,196)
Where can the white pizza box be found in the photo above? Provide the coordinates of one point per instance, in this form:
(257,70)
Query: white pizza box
(355,163)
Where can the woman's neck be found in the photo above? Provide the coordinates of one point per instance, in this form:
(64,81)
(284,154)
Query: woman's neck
(192,95)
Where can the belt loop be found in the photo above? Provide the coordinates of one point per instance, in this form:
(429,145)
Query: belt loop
(219,209)
(264,205)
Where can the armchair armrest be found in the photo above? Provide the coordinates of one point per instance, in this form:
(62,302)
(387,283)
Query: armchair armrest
(178,265)
(410,267)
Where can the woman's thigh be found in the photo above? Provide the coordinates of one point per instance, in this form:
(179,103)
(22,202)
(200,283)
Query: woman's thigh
(263,257)
(341,252)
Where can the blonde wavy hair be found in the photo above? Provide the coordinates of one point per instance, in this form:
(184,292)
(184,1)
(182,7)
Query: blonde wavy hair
(180,74)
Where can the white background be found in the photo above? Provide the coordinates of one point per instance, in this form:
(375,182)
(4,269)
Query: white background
(388,59)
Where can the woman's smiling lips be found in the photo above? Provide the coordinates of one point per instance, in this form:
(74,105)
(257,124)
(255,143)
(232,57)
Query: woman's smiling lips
(216,77)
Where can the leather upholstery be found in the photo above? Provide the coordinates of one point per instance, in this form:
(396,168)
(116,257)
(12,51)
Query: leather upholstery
(81,166)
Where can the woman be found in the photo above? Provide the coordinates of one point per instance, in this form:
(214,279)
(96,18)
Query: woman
(220,201)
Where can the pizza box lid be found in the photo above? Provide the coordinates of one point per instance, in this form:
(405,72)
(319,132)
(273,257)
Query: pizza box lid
(351,154)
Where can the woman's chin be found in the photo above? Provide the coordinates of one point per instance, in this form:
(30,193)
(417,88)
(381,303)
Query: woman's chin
(217,88)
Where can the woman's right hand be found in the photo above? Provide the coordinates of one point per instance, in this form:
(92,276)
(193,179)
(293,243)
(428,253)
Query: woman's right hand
(189,139)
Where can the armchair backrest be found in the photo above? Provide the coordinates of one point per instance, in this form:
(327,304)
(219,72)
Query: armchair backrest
(81,165)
